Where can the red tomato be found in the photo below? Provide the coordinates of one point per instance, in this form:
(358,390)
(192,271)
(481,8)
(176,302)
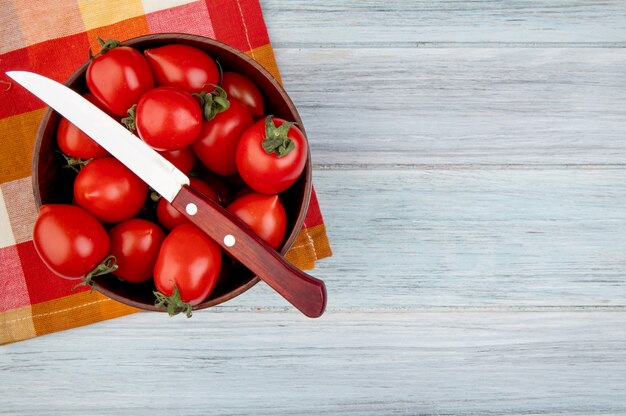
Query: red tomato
(184,159)
(169,217)
(216,146)
(265,214)
(135,244)
(190,261)
(271,155)
(118,77)
(73,142)
(69,240)
(168,118)
(182,66)
(243,89)
(109,190)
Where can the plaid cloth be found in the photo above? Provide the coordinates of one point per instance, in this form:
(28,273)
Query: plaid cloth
(52,38)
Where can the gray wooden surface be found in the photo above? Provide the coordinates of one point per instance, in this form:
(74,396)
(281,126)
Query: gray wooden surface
(469,162)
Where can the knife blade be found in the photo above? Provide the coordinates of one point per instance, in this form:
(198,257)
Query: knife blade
(303,291)
(129,149)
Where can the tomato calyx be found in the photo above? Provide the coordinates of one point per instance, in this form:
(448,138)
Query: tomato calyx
(214,102)
(155,196)
(74,163)
(130,121)
(106,266)
(276,140)
(172,304)
(105,46)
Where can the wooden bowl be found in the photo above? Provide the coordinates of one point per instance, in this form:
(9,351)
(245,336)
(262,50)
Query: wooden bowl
(53,184)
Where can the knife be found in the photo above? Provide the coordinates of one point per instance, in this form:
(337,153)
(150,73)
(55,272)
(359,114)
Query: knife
(303,291)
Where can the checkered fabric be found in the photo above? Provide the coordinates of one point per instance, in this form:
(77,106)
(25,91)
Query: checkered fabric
(52,38)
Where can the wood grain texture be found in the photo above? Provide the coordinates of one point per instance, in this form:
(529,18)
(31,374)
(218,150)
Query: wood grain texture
(460,106)
(469,238)
(424,23)
(341,364)
(469,161)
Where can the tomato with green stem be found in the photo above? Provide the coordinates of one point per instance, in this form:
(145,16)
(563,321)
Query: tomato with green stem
(226,119)
(71,242)
(166,118)
(271,155)
(186,270)
(118,76)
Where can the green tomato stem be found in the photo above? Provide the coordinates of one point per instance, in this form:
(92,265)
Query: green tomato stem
(276,140)
(131,120)
(105,46)
(74,163)
(172,304)
(214,102)
(108,265)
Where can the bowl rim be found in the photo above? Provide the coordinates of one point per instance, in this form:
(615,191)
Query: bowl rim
(307,172)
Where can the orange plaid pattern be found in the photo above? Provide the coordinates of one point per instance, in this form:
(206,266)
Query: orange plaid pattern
(52,38)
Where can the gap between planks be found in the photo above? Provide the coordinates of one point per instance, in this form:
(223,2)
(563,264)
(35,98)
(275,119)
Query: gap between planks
(427,309)
(473,166)
(443,45)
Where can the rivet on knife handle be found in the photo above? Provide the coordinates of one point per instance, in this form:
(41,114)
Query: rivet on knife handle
(303,291)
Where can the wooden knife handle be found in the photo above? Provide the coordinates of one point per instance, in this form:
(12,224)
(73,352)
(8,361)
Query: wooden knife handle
(303,291)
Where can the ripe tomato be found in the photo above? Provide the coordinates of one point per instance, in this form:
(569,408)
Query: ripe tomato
(169,217)
(182,66)
(109,190)
(118,76)
(184,159)
(190,262)
(168,118)
(216,146)
(135,244)
(69,240)
(73,142)
(271,155)
(243,89)
(265,214)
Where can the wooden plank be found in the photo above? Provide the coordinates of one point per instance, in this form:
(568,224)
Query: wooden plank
(342,364)
(460,106)
(406,240)
(398,23)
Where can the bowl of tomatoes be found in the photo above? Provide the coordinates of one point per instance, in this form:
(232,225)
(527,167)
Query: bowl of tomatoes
(220,118)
